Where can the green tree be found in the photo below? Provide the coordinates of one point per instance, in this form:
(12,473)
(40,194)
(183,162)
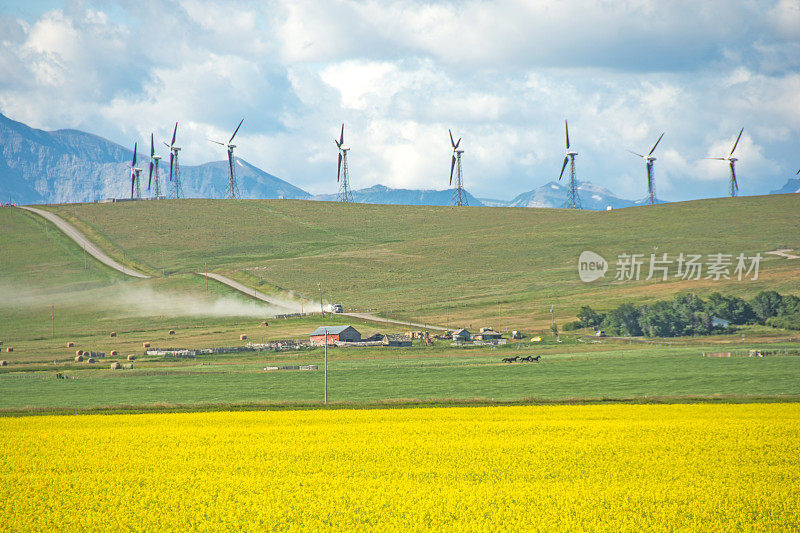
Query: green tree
(766,304)
(589,318)
(624,320)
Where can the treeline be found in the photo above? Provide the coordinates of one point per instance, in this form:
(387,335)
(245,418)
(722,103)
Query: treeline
(687,314)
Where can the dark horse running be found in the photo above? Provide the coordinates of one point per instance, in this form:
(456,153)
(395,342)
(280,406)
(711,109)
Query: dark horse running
(511,359)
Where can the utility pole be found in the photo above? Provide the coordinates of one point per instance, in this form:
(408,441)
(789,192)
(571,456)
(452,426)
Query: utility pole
(326,366)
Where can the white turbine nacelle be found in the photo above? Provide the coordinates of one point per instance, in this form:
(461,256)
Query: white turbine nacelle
(156,157)
(573,154)
(650,159)
(732,159)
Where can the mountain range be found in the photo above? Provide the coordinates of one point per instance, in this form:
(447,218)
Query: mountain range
(65,166)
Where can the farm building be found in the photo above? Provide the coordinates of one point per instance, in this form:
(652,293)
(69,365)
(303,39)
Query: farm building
(335,334)
(461,335)
(487,334)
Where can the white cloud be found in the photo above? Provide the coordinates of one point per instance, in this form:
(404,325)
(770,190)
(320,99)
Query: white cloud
(503,75)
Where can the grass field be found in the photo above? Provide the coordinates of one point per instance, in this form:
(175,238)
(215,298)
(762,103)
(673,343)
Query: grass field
(446,264)
(417,269)
(548,468)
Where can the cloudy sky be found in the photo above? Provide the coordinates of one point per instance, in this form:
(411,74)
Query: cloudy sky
(503,75)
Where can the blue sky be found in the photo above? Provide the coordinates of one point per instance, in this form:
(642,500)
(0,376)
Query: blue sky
(503,75)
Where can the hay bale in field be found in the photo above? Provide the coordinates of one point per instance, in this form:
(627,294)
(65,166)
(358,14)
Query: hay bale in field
(127,366)
(114,352)
(90,360)
(78,358)
(145,345)
(264,324)
(4,363)
(70,344)
(242,337)
(115,366)
(172,332)
(78,352)
(113,333)
(131,357)
(10,349)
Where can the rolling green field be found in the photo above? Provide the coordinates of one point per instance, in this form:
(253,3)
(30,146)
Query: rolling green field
(438,265)
(442,264)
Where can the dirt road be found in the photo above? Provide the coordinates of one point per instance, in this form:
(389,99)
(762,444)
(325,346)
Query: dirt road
(85,243)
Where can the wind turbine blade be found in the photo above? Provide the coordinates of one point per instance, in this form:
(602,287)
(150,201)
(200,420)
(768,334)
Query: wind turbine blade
(798,172)
(341,136)
(174,133)
(339,168)
(566,128)
(219,143)
(566,159)
(452,142)
(171,159)
(452,166)
(337,143)
(150,178)
(737,142)
(656,144)
(634,153)
(458,142)
(717,158)
(236,131)
(133,178)
(733,177)
(133,163)
(152,147)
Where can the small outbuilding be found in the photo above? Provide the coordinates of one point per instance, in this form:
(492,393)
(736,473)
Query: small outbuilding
(488,334)
(334,334)
(461,335)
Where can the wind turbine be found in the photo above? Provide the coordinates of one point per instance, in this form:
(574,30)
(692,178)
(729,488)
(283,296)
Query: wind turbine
(734,186)
(154,159)
(135,177)
(651,180)
(573,198)
(342,172)
(459,197)
(233,188)
(174,175)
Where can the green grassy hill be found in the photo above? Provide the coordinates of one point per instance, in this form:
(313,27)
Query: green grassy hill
(441,264)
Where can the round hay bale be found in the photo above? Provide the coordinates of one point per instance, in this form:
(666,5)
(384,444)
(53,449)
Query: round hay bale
(113,333)
(242,337)
(70,344)
(90,360)
(78,352)
(78,358)
(131,357)
(3,363)
(145,345)
(114,352)
(127,366)
(10,349)
(172,332)
(115,366)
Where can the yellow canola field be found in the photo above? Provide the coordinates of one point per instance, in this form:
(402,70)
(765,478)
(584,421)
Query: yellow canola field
(557,468)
